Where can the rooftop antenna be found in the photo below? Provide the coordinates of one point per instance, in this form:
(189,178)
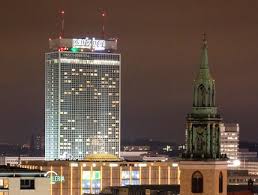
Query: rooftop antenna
(103,15)
(62,24)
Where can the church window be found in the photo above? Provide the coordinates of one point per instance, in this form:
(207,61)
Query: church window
(201,96)
(197,182)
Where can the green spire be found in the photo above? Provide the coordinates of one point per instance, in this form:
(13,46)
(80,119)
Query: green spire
(204,54)
(204,86)
(204,73)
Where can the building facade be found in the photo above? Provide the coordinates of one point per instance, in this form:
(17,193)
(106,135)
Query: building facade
(245,155)
(229,140)
(16,160)
(82,98)
(91,177)
(203,168)
(19,181)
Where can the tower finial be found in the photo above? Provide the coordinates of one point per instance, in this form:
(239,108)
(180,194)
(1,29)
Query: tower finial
(204,53)
(204,39)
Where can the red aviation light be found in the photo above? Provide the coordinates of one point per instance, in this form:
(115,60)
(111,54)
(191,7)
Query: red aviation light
(61,49)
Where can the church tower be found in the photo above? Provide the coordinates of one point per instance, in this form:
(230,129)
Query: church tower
(203,168)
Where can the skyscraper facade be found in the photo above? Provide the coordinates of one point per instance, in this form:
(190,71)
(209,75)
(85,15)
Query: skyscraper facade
(82,98)
(229,140)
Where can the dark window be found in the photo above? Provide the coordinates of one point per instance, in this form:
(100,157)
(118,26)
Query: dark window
(197,182)
(220,182)
(27,184)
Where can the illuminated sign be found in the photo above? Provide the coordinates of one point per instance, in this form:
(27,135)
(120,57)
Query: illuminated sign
(88,175)
(54,177)
(87,43)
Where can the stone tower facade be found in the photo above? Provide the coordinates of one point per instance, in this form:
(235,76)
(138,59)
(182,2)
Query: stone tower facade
(203,168)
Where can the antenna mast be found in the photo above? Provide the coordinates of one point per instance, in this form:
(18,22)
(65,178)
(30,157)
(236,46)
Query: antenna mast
(103,15)
(62,24)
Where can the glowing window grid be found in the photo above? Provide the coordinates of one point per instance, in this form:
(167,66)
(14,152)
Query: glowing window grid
(82,108)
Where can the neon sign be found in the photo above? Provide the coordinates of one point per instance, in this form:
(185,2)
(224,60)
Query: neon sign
(54,177)
(87,43)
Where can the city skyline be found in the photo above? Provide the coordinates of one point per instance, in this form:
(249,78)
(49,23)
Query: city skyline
(157,71)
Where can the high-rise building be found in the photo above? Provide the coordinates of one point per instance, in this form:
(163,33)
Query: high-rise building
(229,140)
(82,98)
(37,144)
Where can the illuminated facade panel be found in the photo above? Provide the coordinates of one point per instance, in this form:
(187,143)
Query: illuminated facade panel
(91,182)
(230,140)
(82,104)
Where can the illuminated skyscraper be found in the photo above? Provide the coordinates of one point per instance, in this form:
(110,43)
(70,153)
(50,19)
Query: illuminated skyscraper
(82,98)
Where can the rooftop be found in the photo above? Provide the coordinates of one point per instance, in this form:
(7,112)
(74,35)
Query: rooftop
(86,44)
(175,189)
(102,157)
(12,171)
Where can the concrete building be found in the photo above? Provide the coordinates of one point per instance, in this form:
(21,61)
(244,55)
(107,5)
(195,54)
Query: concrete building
(19,181)
(16,160)
(229,140)
(82,98)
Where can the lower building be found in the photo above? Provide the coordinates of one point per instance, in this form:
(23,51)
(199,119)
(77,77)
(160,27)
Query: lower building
(245,155)
(251,166)
(136,148)
(20,181)
(16,160)
(142,189)
(97,172)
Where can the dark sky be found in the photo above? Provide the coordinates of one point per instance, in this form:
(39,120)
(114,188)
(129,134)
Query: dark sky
(160,44)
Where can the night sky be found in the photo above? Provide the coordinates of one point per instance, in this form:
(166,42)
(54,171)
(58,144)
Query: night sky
(160,44)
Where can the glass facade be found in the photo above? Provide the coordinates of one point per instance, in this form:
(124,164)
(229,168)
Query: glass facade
(130,178)
(91,182)
(82,104)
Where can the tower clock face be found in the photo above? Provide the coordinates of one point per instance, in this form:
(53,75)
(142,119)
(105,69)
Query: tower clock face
(199,130)
(200,139)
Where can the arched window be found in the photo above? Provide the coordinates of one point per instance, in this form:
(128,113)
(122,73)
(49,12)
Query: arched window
(197,182)
(201,95)
(220,182)
(209,97)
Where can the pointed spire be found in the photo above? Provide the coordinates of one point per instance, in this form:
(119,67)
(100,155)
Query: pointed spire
(204,55)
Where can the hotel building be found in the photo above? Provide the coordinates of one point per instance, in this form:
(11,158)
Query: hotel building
(82,98)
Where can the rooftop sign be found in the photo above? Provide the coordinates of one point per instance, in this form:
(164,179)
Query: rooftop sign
(93,44)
